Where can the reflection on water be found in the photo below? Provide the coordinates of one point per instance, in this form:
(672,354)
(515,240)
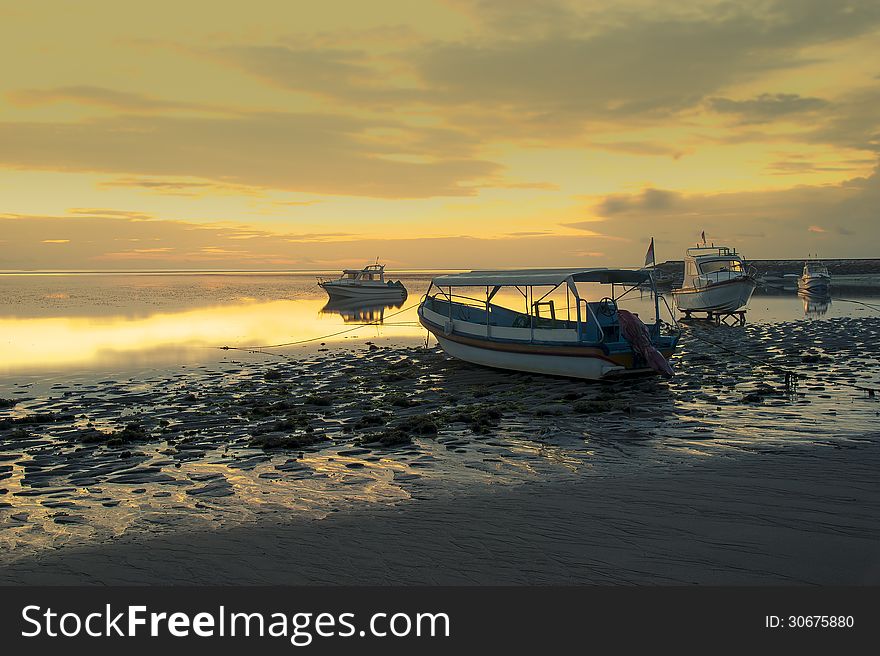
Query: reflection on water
(815,304)
(117,322)
(64,323)
(360,310)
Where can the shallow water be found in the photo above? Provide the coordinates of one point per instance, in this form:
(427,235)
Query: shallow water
(86,356)
(57,325)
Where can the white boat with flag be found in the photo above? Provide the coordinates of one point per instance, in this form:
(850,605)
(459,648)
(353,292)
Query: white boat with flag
(716,281)
(815,278)
(366,283)
(556,331)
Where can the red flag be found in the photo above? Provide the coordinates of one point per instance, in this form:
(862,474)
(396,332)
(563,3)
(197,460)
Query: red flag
(649,256)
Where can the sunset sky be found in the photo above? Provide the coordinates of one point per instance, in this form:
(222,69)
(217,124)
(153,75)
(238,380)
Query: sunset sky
(435,133)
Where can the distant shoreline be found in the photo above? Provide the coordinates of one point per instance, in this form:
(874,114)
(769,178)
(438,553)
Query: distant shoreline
(171,272)
(840,266)
(837,266)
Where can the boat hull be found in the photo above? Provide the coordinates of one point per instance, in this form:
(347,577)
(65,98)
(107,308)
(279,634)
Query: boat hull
(365,292)
(726,296)
(570,361)
(590,368)
(815,285)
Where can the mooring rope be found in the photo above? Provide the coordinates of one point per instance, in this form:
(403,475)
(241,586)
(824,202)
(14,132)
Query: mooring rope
(791,376)
(259,349)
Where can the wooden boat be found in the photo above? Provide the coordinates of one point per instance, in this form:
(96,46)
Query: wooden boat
(595,340)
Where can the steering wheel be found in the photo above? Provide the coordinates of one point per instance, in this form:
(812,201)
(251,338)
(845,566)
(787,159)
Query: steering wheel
(607,307)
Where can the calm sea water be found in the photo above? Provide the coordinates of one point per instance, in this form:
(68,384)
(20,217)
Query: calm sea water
(55,325)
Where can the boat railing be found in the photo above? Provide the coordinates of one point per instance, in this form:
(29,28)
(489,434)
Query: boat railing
(599,333)
(458,299)
(477,310)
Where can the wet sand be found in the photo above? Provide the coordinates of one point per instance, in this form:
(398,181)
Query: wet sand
(352,462)
(777,518)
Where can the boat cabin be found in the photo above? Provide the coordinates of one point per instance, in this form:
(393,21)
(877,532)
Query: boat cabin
(370,273)
(709,265)
(814,269)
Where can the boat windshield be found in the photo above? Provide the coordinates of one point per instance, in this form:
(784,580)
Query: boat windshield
(721,265)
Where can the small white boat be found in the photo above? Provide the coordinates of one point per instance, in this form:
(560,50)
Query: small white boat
(815,278)
(715,281)
(586,339)
(366,283)
(660,278)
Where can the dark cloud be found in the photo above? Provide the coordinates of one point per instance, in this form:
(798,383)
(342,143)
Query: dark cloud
(798,167)
(330,72)
(174,187)
(103,97)
(564,70)
(853,121)
(832,212)
(102,242)
(650,63)
(319,153)
(650,201)
(111,213)
(767,106)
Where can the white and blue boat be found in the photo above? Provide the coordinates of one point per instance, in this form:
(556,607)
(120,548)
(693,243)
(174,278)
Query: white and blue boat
(366,283)
(716,281)
(815,278)
(589,339)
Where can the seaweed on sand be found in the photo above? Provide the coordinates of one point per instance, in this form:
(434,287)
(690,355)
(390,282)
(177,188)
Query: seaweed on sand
(387,438)
(418,425)
(402,430)
(38,418)
(318,399)
(400,400)
(131,433)
(598,406)
(370,420)
(403,369)
(481,418)
(292,441)
(294,421)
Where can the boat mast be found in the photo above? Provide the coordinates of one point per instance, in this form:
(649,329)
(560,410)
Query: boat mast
(654,287)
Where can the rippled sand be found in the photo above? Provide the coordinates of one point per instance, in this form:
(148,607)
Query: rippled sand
(277,438)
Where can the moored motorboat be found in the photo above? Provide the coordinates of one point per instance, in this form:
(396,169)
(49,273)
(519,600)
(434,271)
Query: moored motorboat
(594,340)
(368,282)
(815,278)
(716,280)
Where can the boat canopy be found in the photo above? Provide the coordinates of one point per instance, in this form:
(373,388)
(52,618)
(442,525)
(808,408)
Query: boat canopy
(537,277)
